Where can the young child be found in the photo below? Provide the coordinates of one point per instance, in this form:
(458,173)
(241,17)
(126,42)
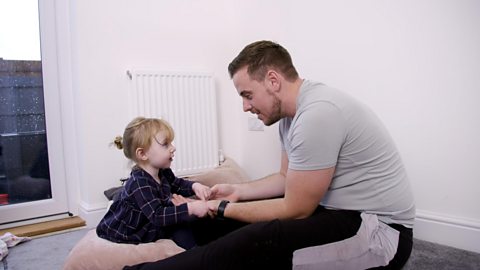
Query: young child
(148,208)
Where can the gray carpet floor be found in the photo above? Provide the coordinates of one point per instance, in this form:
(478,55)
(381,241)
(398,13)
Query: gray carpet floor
(50,253)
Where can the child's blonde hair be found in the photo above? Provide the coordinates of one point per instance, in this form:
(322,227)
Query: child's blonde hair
(139,134)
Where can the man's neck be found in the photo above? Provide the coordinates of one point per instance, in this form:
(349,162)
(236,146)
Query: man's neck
(289,100)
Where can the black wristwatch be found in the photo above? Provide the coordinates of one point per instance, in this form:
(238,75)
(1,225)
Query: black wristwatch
(221,208)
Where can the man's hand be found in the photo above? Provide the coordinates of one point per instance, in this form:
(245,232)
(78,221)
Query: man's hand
(225,192)
(213,207)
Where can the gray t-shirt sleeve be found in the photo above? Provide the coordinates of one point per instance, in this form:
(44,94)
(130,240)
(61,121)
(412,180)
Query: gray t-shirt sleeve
(315,137)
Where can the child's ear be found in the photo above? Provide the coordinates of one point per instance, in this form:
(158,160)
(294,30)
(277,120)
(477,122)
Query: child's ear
(140,154)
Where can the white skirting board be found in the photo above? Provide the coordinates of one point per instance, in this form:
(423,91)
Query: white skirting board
(447,230)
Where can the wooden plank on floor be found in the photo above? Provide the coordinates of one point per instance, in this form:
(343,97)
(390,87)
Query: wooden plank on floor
(45,227)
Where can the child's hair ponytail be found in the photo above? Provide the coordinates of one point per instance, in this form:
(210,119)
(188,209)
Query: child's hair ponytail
(118,142)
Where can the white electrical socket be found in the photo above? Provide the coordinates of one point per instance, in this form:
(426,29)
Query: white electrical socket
(255,124)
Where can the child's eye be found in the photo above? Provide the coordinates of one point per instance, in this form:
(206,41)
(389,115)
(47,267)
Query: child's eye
(164,144)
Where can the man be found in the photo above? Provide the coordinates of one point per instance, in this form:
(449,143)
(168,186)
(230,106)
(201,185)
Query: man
(341,199)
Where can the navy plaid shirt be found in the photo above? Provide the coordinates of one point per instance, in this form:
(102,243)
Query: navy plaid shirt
(144,210)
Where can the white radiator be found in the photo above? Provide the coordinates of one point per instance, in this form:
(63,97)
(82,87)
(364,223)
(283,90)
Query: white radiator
(188,102)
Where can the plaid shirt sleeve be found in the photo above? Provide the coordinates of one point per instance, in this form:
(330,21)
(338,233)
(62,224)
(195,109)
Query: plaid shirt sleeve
(155,204)
(178,185)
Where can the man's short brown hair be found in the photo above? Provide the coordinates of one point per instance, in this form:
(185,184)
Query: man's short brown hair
(261,56)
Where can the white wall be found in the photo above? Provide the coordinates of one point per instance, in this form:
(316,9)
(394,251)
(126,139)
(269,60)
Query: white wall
(416,63)
(111,37)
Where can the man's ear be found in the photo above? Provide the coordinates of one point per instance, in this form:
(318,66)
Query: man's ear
(273,79)
(140,154)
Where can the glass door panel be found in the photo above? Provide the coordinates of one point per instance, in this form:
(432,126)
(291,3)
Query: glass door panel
(24,170)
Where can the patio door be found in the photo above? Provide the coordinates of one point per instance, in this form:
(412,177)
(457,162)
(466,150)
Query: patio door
(32,170)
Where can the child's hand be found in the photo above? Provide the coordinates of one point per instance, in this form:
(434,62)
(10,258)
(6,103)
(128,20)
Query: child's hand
(202,192)
(198,208)
(179,199)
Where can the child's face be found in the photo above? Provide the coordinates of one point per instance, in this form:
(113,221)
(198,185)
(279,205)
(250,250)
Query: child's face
(160,154)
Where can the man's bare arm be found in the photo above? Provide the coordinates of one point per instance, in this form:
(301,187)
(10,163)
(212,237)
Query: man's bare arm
(267,187)
(303,192)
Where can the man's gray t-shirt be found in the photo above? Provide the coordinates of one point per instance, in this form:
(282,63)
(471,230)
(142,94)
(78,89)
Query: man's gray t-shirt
(331,129)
